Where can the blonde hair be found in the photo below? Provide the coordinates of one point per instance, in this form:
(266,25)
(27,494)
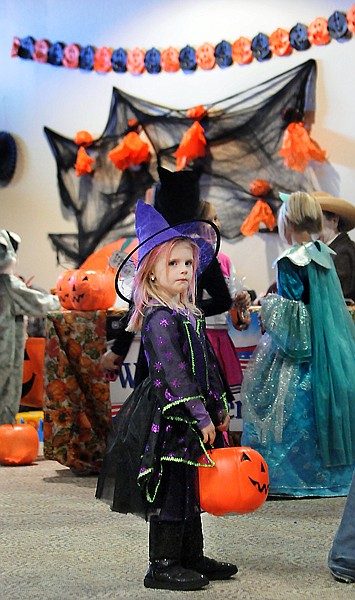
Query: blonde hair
(147,292)
(301,212)
(204,210)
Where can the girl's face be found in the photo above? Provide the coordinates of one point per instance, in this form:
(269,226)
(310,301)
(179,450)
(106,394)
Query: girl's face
(174,273)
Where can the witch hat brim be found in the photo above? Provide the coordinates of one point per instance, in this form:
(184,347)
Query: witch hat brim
(8,156)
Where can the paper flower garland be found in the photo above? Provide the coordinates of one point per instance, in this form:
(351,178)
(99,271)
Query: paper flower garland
(340,26)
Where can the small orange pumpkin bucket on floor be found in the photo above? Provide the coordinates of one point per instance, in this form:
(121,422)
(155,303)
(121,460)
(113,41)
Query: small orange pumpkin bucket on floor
(238,483)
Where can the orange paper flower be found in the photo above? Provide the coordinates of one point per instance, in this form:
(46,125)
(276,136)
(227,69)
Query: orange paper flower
(197,112)
(16,43)
(298,149)
(40,53)
(135,61)
(83,162)
(83,138)
(192,145)
(350,17)
(279,42)
(169,60)
(102,60)
(260,213)
(318,32)
(71,56)
(131,151)
(259,187)
(241,51)
(205,57)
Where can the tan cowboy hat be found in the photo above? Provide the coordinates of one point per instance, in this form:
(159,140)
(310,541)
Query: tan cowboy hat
(342,208)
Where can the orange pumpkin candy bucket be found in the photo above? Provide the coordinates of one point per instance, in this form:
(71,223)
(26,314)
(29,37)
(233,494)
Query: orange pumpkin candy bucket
(238,482)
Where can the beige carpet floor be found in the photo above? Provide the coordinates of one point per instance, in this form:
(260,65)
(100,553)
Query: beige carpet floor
(58,543)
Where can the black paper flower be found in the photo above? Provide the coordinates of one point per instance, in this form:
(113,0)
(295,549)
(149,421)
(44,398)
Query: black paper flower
(55,53)
(299,37)
(223,54)
(119,60)
(187,59)
(27,46)
(86,58)
(260,47)
(338,25)
(152,61)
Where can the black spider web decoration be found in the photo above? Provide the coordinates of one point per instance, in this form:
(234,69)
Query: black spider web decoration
(244,134)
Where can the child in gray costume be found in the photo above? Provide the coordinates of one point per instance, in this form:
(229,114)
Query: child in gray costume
(16,301)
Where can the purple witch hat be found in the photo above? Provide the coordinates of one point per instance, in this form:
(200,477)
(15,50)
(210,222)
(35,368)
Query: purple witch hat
(152,230)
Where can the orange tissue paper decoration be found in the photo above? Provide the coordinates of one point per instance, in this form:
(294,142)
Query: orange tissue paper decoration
(279,42)
(19,444)
(318,33)
(260,213)
(83,138)
(197,112)
(131,151)
(205,57)
(83,162)
(169,60)
(192,145)
(238,483)
(241,51)
(350,17)
(298,148)
(102,60)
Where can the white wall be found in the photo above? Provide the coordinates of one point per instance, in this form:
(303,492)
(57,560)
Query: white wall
(33,96)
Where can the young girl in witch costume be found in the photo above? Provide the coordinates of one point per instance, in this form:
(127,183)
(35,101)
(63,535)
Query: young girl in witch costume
(177,412)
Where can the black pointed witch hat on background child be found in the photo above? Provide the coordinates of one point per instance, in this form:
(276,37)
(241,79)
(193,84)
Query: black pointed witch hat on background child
(177,195)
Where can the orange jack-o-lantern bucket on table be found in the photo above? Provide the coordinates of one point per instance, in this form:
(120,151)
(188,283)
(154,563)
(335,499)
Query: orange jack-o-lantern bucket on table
(238,483)
(19,444)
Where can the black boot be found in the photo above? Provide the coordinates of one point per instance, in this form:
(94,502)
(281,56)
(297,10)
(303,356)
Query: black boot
(193,557)
(165,570)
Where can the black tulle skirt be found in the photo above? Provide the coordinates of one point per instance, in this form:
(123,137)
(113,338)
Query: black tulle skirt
(175,482)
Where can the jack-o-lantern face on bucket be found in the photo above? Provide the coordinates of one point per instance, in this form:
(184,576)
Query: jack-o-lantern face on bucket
(92,290)
(63,289)
(238,483)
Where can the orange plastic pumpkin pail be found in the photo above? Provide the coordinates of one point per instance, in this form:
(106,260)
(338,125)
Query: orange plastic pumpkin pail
(238,483)
(19,444)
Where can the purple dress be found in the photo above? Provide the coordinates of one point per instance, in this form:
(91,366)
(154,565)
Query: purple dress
(153,453)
